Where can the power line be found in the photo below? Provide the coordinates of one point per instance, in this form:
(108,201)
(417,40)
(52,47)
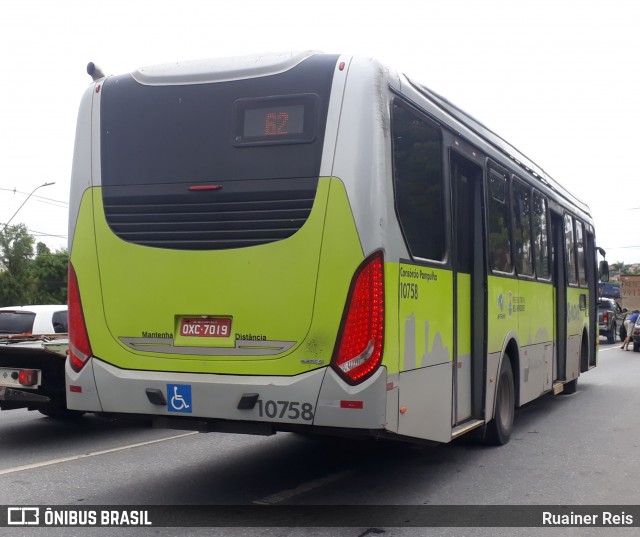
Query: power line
(34,196)
(37,233)
(43,234)
(54,203)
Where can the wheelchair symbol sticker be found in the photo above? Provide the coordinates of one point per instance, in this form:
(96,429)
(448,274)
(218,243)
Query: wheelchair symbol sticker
(179,398)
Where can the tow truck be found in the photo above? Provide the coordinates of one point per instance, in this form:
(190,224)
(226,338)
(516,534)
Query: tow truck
(33,349)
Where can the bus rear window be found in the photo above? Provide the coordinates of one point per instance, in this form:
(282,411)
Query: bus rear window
(238,130)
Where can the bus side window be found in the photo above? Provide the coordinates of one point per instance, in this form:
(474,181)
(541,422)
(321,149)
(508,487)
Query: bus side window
(521,208)
(570,253)
(541,235)
(582,270)
(418,182)
(499,232)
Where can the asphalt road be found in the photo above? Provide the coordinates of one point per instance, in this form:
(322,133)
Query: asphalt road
(579,449)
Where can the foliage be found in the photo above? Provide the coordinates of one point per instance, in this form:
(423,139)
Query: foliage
(49,272)
(16,253)
(27,277)
(618,267)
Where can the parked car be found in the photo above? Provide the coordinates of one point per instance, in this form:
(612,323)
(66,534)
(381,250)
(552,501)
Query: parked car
(33,350)
(610,317)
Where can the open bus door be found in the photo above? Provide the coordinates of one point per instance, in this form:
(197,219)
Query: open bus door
(559,275)
(469,290)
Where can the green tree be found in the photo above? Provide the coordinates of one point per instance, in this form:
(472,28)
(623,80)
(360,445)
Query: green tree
(16,256)
(618,268)
(49,272)
(25,279)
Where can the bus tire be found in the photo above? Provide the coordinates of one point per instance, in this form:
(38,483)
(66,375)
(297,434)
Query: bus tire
(584,353)
(498,431)
(570,387)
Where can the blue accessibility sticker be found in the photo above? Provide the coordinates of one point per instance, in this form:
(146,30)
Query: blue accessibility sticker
(179,398)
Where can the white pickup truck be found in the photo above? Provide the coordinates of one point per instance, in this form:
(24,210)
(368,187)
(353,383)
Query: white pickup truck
(33,350)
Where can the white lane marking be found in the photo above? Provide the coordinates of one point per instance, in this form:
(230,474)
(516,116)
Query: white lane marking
(300,489)
(90,454)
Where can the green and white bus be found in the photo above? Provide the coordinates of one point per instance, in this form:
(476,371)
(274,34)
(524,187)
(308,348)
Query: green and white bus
(314,242)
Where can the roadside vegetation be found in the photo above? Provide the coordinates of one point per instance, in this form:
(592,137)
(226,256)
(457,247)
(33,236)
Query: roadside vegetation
(30,273)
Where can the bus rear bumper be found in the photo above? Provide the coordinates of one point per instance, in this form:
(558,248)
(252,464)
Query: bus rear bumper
(82,393)
(318,397)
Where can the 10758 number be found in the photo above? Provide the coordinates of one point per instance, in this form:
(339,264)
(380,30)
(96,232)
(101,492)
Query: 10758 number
(292,410)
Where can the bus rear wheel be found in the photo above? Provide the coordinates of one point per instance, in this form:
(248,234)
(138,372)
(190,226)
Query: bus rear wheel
(498,431)
(570,387)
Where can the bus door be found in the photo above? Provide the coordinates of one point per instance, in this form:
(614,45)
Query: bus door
(592,278)
(469,289)
(559,274)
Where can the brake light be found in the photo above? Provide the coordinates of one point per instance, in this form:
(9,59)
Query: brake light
(605,317)
(28,377)
(358,350)
(79,346)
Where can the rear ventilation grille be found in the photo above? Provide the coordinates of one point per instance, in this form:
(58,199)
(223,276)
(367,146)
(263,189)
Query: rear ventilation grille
(177,219)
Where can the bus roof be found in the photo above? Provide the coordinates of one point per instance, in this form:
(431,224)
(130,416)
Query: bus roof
(499,143)
(219,69)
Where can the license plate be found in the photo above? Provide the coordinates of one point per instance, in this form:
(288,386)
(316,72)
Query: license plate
(205,327)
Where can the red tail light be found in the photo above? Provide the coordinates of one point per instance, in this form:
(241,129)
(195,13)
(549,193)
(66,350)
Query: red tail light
(28,377)
(358,350)
(79,346)
(605,317)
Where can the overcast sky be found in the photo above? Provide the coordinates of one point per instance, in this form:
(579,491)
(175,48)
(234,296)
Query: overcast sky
(559,79)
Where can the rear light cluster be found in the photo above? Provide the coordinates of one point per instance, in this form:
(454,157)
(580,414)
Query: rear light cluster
(605,317)
(358,351)
(79,346)
(28,377)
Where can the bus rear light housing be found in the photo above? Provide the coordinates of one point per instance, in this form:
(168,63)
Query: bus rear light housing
(358,351)
(79,346)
